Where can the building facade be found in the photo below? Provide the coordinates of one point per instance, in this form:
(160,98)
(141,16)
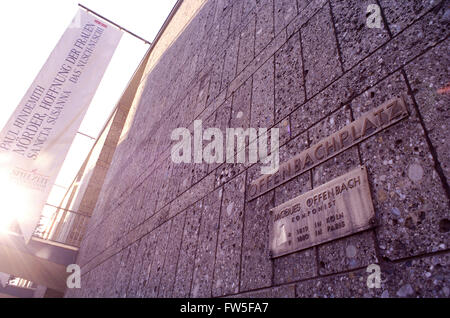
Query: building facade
(310,69)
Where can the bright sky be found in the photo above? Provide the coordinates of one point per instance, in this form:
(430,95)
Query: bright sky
(30,31)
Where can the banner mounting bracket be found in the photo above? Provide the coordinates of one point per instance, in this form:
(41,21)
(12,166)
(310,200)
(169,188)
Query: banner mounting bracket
(115,24)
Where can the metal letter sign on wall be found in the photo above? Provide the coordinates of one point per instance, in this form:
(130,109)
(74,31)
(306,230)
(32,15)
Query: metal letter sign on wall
(337,208)
(364,127)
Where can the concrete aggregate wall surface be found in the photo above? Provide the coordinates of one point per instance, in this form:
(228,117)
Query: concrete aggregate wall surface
(310,68)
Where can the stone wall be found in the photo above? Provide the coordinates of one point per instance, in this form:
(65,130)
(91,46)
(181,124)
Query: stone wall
(162,229)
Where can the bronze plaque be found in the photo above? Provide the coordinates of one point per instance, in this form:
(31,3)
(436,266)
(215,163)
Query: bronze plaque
(337,208)
(364,127)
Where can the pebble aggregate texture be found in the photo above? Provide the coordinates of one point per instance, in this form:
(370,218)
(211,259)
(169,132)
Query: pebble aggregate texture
(162,229)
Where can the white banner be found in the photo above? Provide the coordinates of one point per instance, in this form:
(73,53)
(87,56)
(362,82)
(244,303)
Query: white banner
(37,137)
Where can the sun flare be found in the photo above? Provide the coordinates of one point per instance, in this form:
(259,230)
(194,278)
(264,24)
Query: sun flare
(14,204)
